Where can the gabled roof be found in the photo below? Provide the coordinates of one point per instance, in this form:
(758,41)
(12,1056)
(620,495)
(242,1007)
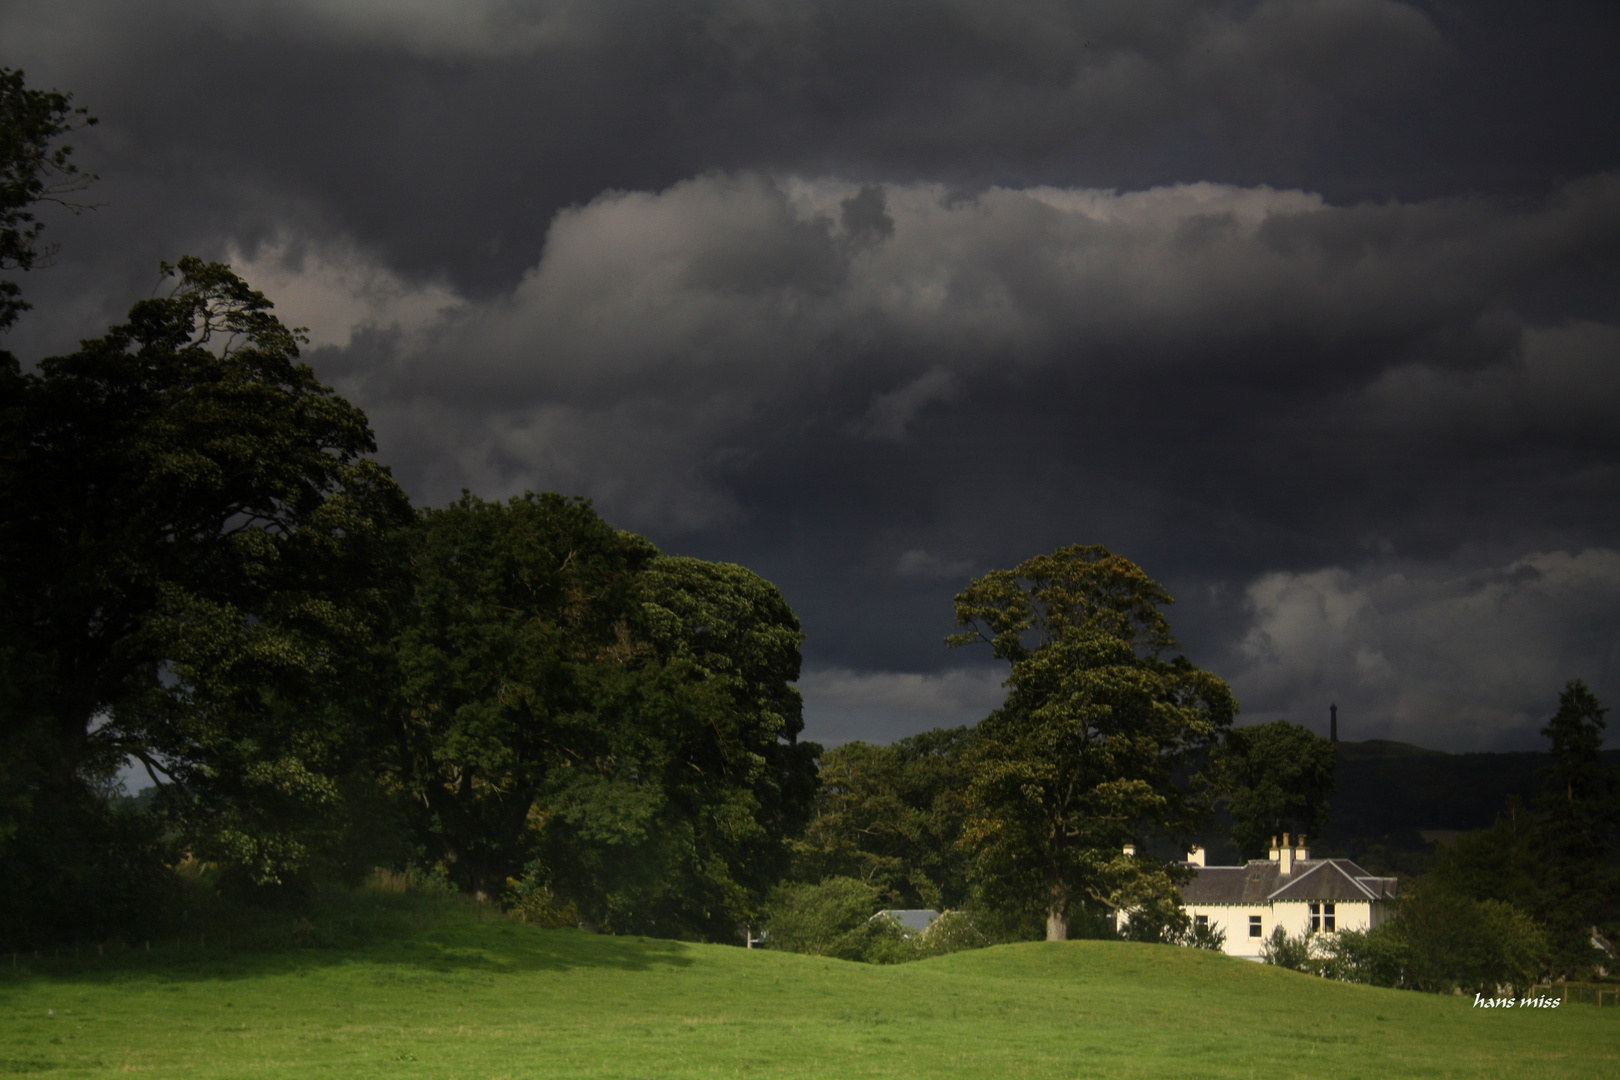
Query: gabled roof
(1332,879)
(1262,881)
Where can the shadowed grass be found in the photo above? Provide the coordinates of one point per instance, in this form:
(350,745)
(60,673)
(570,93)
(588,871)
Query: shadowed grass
(467,998)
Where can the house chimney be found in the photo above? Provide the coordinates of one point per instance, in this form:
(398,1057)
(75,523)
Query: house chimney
(1285,856)
(1275,855)
(1301,852)
(1129,849)
(1196,855)
(1333,723)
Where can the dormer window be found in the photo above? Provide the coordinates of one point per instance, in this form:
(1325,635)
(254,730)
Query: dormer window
(1324,918)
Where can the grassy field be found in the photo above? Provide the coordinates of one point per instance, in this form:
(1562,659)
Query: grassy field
(460,998)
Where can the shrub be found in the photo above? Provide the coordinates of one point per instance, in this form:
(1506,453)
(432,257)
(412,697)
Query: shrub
(1378,957)
(85,869)
(951,932)
(829,919)
(1455,942)
(1202,936)
(835,918)
(1288,952)
(532,900)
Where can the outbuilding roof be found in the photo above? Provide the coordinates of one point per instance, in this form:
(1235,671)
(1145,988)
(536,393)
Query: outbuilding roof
(914,919)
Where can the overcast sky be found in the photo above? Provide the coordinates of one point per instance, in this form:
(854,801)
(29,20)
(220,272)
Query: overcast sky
(1310,307)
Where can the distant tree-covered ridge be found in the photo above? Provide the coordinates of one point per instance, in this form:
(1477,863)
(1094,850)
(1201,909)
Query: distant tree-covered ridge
(1385,788)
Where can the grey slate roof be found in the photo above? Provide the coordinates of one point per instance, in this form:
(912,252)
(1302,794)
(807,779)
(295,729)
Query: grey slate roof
(1262,881)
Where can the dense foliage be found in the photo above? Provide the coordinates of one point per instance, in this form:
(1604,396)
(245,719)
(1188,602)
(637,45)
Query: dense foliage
(1280,776)
(891,817)
(583,716)
(840,917)
(195,557)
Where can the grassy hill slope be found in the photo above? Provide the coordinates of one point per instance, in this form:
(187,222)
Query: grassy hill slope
(489,999)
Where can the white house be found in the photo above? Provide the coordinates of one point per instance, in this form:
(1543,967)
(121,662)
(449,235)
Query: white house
(1290,889)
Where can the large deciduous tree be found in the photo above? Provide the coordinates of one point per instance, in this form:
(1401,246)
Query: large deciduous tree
(1101,742)
(591,717)
(1280,775)
(193,552)
(513,604)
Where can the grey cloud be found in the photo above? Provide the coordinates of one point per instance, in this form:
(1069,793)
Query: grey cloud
(917,563)
(728,302)
(891,414)
(865,214)
(1472,661)
(841,704)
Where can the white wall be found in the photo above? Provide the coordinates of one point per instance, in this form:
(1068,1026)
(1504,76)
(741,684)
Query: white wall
(1293,917)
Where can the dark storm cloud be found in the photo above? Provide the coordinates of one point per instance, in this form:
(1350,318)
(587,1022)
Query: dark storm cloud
(445,136)
(1310,307)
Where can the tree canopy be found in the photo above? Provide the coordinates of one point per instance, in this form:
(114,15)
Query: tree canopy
(891,817)
(35,166)
(1280,776)
(1101,743)
(581,713)
(193,553)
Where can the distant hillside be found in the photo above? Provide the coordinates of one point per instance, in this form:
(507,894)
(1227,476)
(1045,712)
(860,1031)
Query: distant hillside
(1390,787)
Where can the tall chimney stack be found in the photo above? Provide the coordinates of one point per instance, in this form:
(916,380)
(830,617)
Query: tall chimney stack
(1333,723)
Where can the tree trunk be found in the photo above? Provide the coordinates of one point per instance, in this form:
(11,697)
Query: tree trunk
(1057,915)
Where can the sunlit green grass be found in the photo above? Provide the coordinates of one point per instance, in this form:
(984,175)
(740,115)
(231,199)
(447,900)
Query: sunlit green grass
(467,998)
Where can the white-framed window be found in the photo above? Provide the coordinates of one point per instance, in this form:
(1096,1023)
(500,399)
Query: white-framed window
(1254,926)
(1324,918)
(1201,922)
